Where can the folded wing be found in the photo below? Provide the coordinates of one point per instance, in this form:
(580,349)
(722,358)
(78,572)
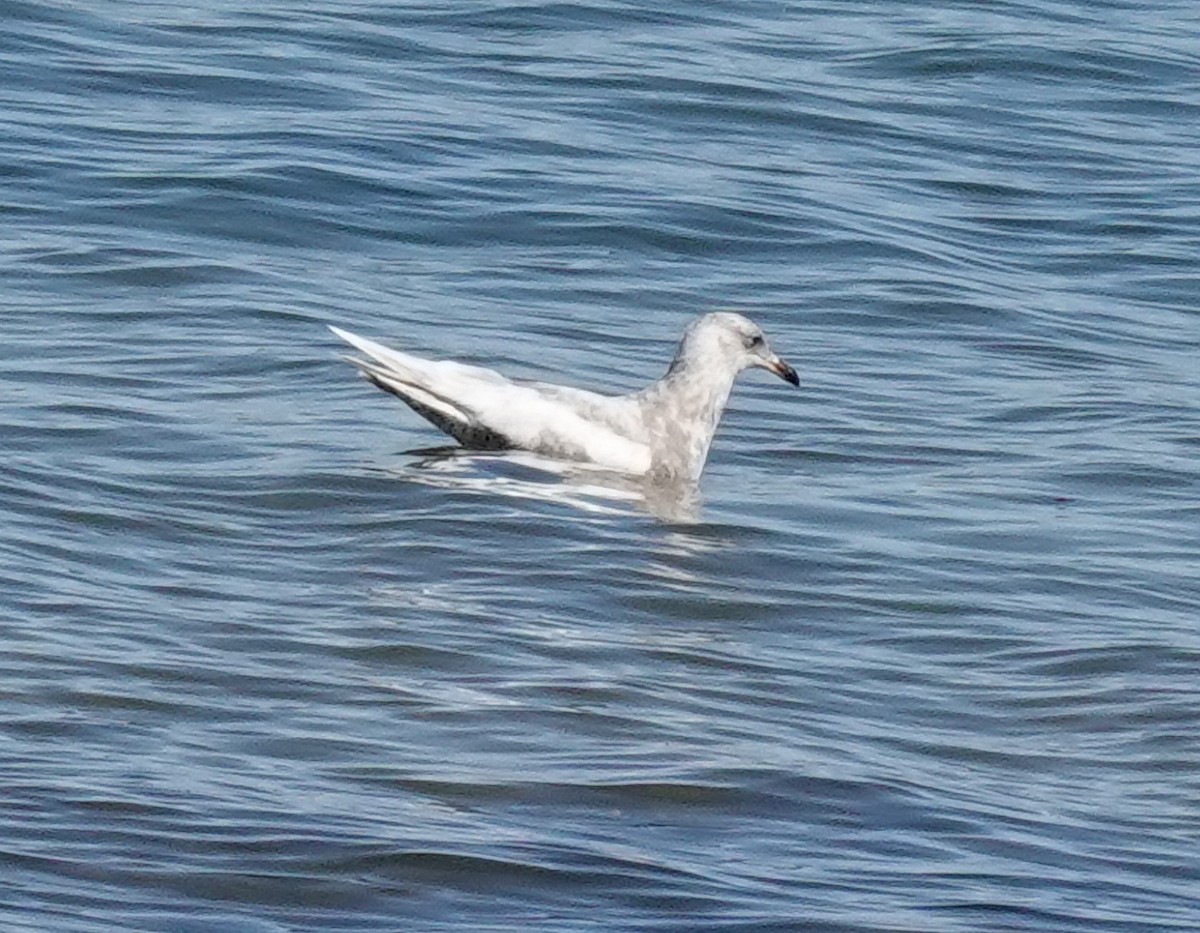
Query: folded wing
(483,410)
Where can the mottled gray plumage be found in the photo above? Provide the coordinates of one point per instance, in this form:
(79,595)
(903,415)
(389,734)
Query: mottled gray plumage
(663,431)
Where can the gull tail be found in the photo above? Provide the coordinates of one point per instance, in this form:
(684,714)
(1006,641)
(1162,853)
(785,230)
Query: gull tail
(425,386)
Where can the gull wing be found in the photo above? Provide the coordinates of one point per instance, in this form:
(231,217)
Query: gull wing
(482,409)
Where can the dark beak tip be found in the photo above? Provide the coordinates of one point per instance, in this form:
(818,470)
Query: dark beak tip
(785,372)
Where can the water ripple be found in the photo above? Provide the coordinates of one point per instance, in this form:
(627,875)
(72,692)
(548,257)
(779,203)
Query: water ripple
(922,658)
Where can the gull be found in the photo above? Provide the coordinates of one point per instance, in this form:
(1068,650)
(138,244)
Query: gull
(662,432)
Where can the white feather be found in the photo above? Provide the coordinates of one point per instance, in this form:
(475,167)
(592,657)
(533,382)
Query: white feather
(664,430)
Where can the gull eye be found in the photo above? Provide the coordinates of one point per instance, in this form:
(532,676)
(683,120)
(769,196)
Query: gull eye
(755,341)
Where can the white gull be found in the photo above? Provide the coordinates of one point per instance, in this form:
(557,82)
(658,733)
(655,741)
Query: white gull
(662,432)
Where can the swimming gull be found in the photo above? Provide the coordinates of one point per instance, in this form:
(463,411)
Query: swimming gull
(663,432)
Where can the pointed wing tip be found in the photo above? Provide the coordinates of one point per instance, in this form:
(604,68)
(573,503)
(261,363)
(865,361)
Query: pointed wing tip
(362,344)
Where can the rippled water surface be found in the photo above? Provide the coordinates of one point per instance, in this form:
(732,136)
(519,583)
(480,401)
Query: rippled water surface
(929,658)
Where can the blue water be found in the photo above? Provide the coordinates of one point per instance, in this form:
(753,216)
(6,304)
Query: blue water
(928,660)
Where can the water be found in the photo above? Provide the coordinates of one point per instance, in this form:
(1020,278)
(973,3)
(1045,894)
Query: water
(928,660)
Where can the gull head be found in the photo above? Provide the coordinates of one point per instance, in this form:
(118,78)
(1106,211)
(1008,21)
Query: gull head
(724,340)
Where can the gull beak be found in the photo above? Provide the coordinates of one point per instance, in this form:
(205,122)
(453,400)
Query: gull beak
(783,370)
